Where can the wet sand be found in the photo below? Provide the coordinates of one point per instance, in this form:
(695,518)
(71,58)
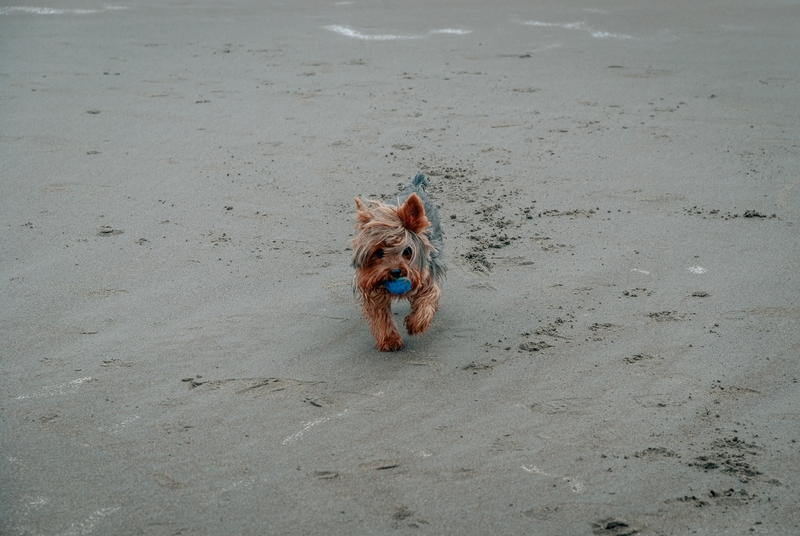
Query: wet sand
(617,346)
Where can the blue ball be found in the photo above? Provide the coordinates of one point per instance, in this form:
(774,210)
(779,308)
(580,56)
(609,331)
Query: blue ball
(398,286)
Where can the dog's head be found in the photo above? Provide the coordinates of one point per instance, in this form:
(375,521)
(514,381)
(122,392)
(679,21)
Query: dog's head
(390,244)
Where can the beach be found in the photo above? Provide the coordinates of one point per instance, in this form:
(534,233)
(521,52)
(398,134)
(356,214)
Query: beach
(616,350)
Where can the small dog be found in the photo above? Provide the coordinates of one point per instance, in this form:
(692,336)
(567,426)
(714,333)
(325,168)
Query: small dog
(397,254)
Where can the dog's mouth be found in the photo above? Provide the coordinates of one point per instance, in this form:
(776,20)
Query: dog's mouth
(398,285)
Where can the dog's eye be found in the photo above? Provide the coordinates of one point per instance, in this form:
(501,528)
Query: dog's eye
(407,253)
(378,253)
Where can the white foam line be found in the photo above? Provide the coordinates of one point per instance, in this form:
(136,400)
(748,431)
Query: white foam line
(32,503)
(117,428)
(536,470)
(576,26)
(87,525)
(697,269)
(645,272)
(54,11)
(29,505)
(37,502)
(55,390)
(576,486)
(308,426)
(602,35)
(566,26)
(349,32)
(45,11)
(452,31)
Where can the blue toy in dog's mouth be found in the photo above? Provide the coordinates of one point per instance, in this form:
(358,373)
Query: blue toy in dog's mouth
(398,286)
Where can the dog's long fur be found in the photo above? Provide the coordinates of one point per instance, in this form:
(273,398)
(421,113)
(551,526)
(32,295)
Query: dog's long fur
(400,239)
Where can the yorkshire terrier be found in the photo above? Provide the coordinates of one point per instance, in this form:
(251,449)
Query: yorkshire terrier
(397,254)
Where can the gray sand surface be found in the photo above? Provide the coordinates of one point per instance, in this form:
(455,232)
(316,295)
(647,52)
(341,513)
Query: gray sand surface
(617,347)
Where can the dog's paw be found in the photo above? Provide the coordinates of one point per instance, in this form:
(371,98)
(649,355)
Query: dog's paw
(418,322)
(390,344)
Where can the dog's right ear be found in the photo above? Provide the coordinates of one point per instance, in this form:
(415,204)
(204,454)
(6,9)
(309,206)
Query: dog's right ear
(363,215)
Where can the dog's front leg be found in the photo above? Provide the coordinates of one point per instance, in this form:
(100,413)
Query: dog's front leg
(424,304)
(378,314)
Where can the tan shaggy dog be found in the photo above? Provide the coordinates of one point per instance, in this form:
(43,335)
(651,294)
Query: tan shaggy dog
(397,254)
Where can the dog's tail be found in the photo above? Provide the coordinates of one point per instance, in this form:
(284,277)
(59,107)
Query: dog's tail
(420,180)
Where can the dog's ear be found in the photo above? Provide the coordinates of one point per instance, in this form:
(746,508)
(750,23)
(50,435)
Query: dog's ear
(363,215)
(412,214)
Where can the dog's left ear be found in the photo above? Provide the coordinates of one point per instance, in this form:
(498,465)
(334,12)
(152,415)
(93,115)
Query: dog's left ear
(412,214)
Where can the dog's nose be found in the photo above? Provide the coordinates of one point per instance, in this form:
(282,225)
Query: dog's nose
(395,273)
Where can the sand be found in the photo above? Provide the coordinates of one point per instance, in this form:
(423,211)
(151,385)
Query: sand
(617,346)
